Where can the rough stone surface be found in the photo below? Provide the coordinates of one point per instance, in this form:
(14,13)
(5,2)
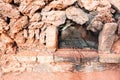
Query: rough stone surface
(107,37)
(34,29)
(19,24)
(6,58)
(55,18)
(118,25)
(12,67)
(36,25)
(36,17)
(26,56)
(109,58)
(52,38)
(94,4)
(27,22)
(3,25)
(59,67)
(19,38)
(93,66)
(7,1)
(62,59)
(97,75)
(99,19)
(45,59)
(116,47)
(77,15)
(59,4)
(30,7)
(7,44)
(95,26)
(8,10)
(115,3)
(111,74)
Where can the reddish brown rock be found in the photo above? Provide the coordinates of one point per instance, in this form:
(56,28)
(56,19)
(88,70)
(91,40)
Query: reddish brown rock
(52,38)
(17,1)
(26,56)
(7,45)
(19,24)
(77,15)
(116,47)
(58,67)
(106,37)
(12,21)
(8,10)
(31,38)
(94,4)
(34,31)
(30,7)
(25,33)
(105,16)
(42,37)
(118,26)
(109,58)
(45,59)
(19,38)
(59,4)
(95,26)
(35,18)
(119,31)
(36,25)
(11,66)
(55,18)
(102,17)
(7,1)
(47,1)
(115,3)
(37,34)
(3,25)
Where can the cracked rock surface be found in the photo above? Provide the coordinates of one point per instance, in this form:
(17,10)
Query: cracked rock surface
(32,30)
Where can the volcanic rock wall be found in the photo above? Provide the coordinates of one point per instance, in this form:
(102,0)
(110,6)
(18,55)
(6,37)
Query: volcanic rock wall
(27,22)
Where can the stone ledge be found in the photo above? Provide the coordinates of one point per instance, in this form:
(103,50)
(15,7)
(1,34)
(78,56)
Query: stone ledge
(65,55)
(26,56)
(109,58)
(80,53)
(45,59)
(58,67)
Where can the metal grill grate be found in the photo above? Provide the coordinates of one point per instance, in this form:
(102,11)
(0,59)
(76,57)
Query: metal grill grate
(72,43)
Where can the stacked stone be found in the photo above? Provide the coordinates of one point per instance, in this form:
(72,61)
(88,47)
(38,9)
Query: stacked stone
(37,22)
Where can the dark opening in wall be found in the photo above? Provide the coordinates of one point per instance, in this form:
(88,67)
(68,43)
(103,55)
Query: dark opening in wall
(73,35)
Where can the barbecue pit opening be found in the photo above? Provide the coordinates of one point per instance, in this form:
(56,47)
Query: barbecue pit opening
(72,35)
